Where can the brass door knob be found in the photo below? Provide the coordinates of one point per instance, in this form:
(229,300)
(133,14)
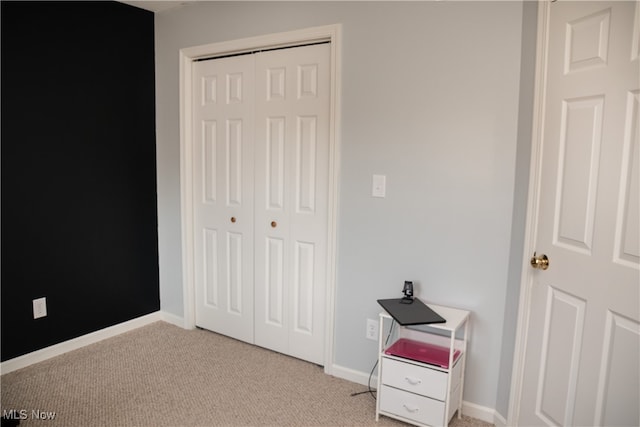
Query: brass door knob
(274,224)
(233,219)
(541,262)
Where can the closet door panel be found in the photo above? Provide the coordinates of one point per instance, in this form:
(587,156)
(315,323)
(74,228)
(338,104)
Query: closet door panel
(223,129)
(291,198)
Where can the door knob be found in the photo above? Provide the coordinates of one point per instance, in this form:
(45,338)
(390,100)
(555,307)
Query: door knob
(540,262)
(274,224)
(233,219)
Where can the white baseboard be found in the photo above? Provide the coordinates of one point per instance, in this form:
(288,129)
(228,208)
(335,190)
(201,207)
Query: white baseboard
(173,319)
(482,413)
(469,409)
(354,376)
(499,420)
(84,340)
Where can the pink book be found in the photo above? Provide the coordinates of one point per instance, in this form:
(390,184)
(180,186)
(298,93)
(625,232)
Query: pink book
(422,352)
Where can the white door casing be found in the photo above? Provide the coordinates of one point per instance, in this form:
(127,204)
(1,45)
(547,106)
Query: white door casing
(329,33)
(578,343)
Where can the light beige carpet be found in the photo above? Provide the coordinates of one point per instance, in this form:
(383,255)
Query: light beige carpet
(162,375)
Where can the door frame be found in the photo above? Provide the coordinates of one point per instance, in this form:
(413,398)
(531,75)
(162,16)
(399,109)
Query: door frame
(526,279)
(330,33)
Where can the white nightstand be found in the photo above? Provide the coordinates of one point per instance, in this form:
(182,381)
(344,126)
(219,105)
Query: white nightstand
(421,393)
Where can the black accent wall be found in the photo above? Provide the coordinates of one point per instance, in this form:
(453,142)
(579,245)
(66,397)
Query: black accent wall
(79,211)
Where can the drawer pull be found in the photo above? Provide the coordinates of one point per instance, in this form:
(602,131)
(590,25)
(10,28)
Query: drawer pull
(413,381)
(413,410)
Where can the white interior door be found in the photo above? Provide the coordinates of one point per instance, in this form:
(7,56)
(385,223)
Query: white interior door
(222,131)
(582,347)
(291,205)
(261,177)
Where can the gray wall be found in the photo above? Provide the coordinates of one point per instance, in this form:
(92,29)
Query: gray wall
(430,98)
(523,159)
(78,170)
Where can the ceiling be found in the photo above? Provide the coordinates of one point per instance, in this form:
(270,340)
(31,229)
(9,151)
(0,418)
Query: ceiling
(155,6)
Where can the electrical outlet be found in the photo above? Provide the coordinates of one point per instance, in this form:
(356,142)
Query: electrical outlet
(372,329)
(379,184)
(39,308)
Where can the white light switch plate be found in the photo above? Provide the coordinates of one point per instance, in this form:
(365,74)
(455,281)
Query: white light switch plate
(379,186)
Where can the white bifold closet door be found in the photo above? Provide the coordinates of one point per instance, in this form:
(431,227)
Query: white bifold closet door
(261,172)
(223,145)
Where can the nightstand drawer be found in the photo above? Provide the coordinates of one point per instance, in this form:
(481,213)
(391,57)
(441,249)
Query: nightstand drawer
(416,379)
(411,406)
